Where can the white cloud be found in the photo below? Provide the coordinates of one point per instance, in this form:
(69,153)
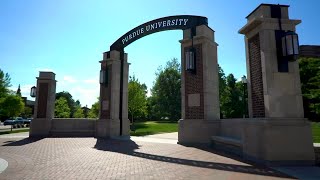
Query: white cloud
(69,79)
(91,81)
(86,95)
(44,69)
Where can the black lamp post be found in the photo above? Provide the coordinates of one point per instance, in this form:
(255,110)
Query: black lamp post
(244,82)
(290,45)
(33,91)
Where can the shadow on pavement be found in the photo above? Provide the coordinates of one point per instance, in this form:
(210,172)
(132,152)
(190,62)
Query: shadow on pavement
(21,142)
(128,147)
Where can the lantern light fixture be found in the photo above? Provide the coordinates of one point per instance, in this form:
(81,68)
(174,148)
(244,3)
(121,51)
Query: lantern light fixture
(290,45)
(33,91)
(244,79)
(104,77)
(190,60)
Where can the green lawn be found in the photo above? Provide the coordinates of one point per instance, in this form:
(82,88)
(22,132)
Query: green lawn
(14,131)
(316,132)
(153,127)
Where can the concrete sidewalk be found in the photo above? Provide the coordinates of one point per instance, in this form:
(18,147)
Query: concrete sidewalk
(170,138)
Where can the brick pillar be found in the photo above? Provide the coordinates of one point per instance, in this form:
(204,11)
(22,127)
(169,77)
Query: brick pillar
(199,91)
(44,105)
(272,92)
(108,124)
(277,132)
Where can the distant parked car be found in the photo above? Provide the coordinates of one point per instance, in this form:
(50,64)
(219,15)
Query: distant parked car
(9,122)
(27,121)
(19,120)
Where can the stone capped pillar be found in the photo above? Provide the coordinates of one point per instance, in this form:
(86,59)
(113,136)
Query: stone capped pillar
(199,90)
(108,124)
(273,83)
(277,132)
(44,105)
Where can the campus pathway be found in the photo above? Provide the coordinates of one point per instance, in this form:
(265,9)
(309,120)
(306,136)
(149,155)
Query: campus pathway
(138,158)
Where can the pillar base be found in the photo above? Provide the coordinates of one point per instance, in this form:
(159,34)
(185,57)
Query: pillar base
(278,141)
(197,131)
(40,127)
(107,128)
(125,127)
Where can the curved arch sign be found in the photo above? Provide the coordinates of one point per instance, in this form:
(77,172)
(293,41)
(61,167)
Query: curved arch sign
(162,24)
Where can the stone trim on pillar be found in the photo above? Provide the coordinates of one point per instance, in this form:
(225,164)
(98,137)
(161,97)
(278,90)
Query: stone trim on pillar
(44,105)
(125,120)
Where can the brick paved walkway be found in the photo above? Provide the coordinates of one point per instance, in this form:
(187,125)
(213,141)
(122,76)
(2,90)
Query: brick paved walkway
(89,158)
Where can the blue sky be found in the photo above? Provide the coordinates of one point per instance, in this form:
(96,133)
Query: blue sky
(68,37)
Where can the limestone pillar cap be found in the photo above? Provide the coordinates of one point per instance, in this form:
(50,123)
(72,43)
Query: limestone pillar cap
(255,22)
(46,75)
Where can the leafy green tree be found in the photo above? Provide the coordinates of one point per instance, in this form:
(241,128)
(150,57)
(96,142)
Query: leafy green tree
(62,109)
(11,105)
(27,112)
(4,83)
(310,86)
(70,101)
(231,106)
(19,91)
(78,112)
(222,90)
(137,99)
(243,94)
(166,91)
(152,109)
(94,111)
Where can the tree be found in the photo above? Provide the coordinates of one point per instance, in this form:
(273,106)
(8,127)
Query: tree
(62,109)
(27,112)
(78,112)
(18,91)
(94,111)
(70,101)
(222,90)
(4,83)
(310,86)
(166,91)
(11,105)
(137,99)
(231,106)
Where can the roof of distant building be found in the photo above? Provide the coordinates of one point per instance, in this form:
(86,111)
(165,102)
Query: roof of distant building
(309,51)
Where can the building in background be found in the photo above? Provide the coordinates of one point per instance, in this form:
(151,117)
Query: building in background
(309,51)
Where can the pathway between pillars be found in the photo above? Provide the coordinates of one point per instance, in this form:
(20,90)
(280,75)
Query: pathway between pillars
(149,157)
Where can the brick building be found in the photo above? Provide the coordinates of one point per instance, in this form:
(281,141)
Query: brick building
(309,51)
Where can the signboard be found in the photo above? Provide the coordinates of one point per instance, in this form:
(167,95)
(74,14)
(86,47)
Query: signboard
(161,24)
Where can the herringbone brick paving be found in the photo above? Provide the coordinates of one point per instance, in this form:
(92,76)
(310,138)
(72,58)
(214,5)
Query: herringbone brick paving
(89,158)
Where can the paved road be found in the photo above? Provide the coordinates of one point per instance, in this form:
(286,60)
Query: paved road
(89,158)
